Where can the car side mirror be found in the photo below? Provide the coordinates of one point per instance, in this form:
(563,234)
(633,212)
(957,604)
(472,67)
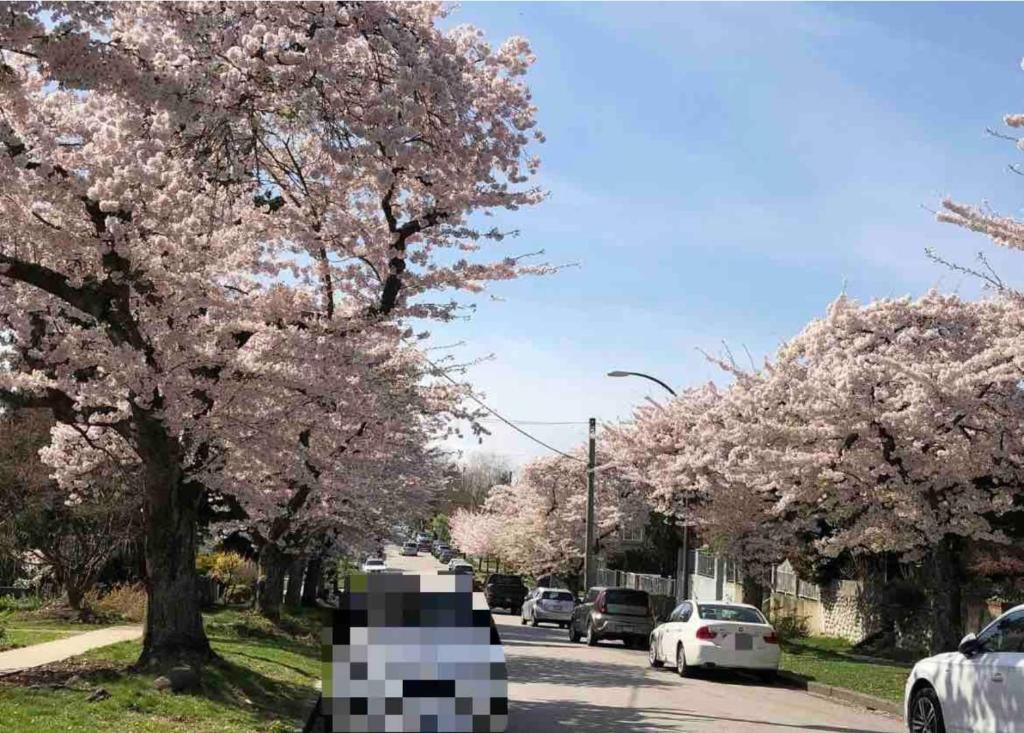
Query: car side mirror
(969,645)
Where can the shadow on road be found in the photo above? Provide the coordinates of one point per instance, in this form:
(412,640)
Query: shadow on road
(580,673)
(564,716)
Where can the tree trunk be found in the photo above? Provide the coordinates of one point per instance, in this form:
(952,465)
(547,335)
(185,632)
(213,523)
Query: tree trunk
(273,566)
(945,568)
(296,569)
(174,625)
(311,590)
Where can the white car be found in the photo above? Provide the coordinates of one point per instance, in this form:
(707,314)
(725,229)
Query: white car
(410,549)
(713,635)
(460,565)
(979,688)
(374,565)
(548,605)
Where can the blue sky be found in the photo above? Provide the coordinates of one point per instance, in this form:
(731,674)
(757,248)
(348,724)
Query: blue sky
(721,173)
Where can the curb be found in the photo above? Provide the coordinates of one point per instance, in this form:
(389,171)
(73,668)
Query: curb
(841,694)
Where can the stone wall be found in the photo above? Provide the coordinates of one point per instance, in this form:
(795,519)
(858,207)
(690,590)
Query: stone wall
(844,611)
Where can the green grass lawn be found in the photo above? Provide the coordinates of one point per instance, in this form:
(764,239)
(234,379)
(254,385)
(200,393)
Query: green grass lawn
(828,661)
(265,684)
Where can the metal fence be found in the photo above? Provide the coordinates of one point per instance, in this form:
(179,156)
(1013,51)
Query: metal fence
(653,584)
(786,582)
(705,563)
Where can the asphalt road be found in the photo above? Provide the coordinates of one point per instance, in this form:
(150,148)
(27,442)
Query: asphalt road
(558,687)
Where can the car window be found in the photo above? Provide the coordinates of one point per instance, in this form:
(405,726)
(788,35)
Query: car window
(713,612)
(1005,635)
(592,595)
(677,613)
(554,595)
(686,612)
(619,597)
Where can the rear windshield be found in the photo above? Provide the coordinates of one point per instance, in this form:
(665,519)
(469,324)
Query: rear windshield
(505,580)
(374,562)
(555,595)
(730,613)
(626,598)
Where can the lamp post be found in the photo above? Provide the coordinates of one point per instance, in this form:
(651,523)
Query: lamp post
(686,527)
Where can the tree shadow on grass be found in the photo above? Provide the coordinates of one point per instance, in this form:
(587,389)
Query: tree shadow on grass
(234,685)
(797,649)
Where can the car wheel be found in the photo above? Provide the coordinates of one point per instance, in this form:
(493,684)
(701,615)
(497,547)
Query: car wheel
(681,667)
(652,654)
(574,635)
(926,712)
(591,635)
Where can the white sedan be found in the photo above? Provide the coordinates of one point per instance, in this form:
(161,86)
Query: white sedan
(716,634)
(979,688)
(375,565)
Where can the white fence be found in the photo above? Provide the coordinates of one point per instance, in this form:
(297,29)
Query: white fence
(786,581)
(653,584)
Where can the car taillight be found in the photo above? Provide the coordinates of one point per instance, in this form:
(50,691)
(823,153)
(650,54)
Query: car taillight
(705,633)
(602,605)
(771,638)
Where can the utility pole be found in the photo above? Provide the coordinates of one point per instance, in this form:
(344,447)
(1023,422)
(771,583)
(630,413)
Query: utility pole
(589,569)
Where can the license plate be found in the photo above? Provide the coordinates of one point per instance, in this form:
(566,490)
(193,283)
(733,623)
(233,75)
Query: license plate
(744,642)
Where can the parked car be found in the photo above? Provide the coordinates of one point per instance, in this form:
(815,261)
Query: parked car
(716,634)
(460,566)
(505,591)
(425,545)
(978,688)
(374,565)
(410,549)
(613,613)
(444,557)
(548,605)
(440,547)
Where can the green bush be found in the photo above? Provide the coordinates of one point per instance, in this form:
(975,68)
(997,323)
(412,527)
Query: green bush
(26,603)
(789,626)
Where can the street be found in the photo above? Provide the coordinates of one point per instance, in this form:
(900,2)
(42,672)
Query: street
(557,687)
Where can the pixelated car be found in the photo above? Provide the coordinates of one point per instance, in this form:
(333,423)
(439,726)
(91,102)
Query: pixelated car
(413,653)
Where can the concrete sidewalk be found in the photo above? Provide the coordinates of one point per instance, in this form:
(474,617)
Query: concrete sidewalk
(60,649)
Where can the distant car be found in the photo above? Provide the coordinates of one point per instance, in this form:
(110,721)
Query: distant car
(978,688)
(374,565)
(505,591)
(425,545)
(716,634)
(548,605)
(410,549)
(460,566)
(613,613)
(441,549)
(444,557)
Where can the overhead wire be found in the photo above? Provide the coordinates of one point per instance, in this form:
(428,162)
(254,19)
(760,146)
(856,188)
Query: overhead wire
(497,414)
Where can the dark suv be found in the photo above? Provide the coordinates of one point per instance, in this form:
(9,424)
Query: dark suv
(613,613)
(505,591)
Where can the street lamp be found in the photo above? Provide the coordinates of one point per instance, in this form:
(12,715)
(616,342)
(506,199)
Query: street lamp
(686,527)
(617,373)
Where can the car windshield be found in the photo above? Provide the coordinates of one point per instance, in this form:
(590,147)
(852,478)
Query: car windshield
(557,595)
(626,598)
(374,562)
(505,580)
(730,613)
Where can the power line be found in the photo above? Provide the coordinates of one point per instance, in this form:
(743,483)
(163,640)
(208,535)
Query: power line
(543,422)
(498,415)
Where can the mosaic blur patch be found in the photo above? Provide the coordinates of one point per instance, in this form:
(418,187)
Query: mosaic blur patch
(413,653)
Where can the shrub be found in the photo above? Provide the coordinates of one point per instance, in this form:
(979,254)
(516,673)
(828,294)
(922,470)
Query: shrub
(789,625)
(25,603)
(228,568)
(127,602)
(237,594)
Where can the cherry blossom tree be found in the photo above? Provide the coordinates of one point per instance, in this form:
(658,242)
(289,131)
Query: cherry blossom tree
(892,427)
(205,205)
(538,524)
